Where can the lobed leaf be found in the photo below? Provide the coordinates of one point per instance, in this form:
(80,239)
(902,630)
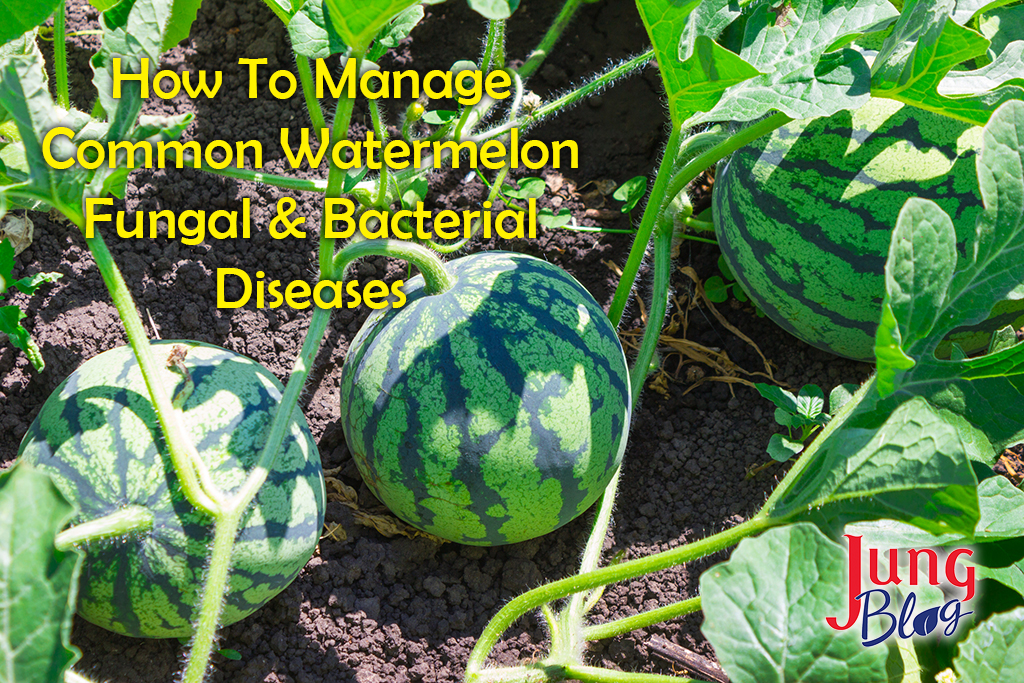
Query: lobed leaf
(983,393)
(359,21)
(993,652)
(765,611)
(801,73)
(312,32)
(694,68)
(37,582)
(924,46)
(907,463)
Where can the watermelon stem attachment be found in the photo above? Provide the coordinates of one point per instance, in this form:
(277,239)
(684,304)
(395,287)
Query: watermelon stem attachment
(435,275)
(667,186)
(128,520)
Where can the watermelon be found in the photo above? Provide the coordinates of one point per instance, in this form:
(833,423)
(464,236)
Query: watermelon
(491,413)
(98,436)
(804,217)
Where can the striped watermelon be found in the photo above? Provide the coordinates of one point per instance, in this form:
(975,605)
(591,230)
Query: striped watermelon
(804,217)
(98,436)
(494,412)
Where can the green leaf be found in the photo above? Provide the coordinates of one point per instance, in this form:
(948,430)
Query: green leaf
(359,21)
(907,463)
(985,391)
(810,401)
(550,219)
(1001,509)
(399,28)
(439,117)
(631,192)
(1002,339)
(924,45)
(1002,26)
(21,16)
(723,268)
(715,289)
(312,33)
(782,449)
(10,324)
(789,45)
(919,269)
(494,9)
(183,14)
(1006,69)
(529,188)
(840,396)
(6,263)
(993,652)
(765,611)
(694,68)
(38,582)
(779,396)
(29,285)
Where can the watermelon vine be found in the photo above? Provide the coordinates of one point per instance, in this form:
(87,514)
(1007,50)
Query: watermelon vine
(901,448)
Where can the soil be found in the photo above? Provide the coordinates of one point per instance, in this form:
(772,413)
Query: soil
(371,608)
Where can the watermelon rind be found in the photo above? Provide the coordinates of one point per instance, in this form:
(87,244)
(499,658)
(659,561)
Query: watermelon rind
(494,412)
(98,437)
(804,217)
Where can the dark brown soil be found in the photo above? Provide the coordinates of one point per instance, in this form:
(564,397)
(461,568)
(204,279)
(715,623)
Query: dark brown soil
(371,608)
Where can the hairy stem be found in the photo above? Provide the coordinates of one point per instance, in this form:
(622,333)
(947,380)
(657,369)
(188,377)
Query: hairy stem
(336,175)
(610,629)
(127,520)
(554,32)
(212,603)
(656,204)
(435,275)
(533,599)
(598,674)
(60,57)
(187,464)
(664,191)
(316,113)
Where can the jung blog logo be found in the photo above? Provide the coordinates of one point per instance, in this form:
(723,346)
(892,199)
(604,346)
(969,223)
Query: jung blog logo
(906,624)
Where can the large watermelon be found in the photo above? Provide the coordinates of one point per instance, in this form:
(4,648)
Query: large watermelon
(804,217)
(491,413)
(99,438)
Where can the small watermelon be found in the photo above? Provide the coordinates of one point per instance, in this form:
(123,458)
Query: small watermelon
(804,217)
(99,438)
(494,412)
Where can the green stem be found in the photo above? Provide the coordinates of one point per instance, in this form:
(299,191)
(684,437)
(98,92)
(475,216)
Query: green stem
(286,409)
(435,275)
(335,174)
(60,57)
(214,587)
(655,205)
(592,551)
(706,226)
(494,48)
(183,453)
(658,306)
(610,629)
(533,599)
(554,32)
(599,82)
(664,191)
(316,113)
(598,674)
(121,522)
(284,182)
(382,135)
